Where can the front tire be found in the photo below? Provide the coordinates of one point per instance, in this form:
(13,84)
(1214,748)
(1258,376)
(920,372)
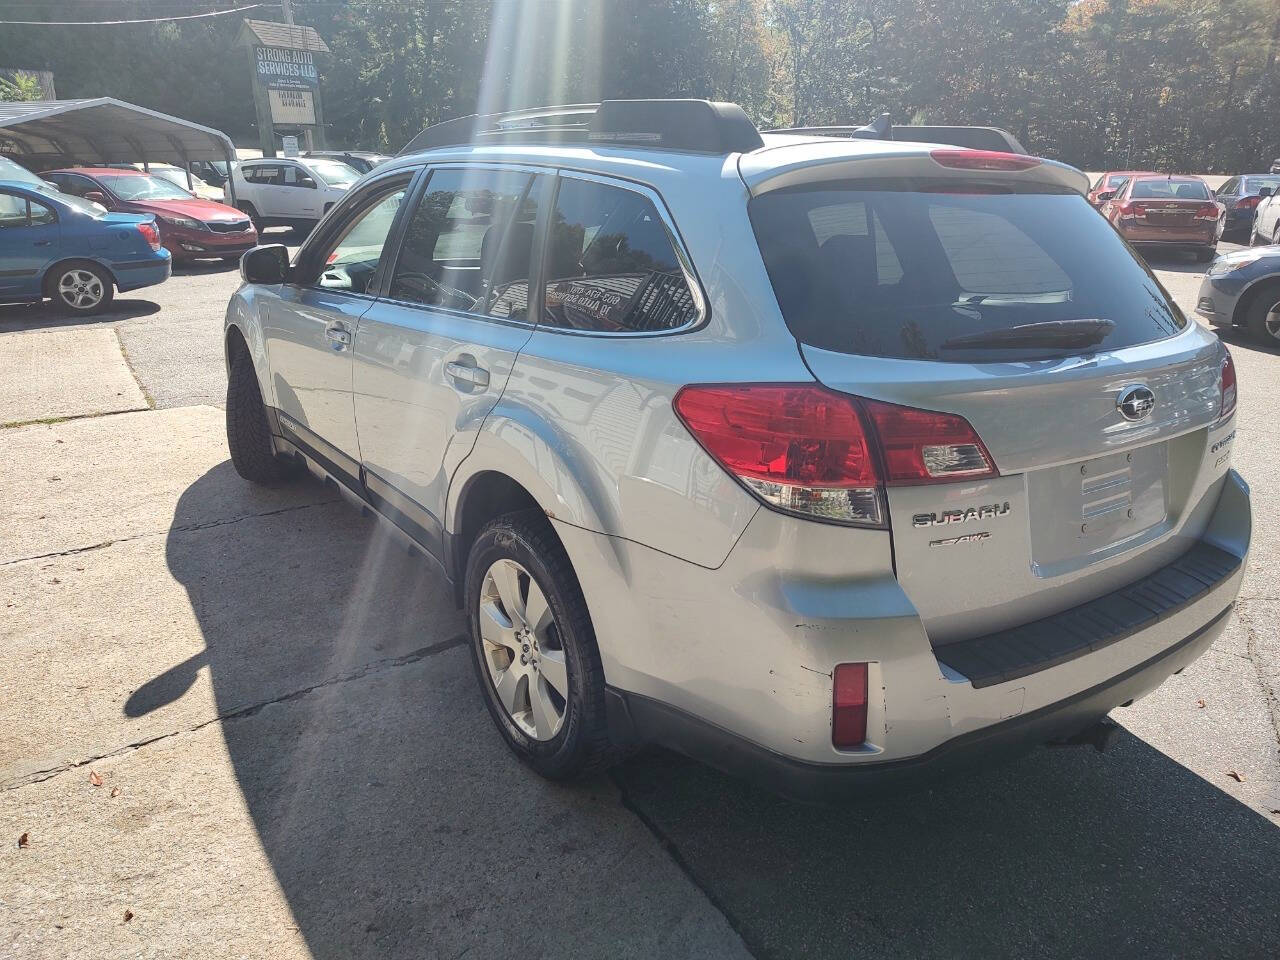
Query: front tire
(81,288)
(534,648)
(1263,316)
(250,211)
(248,434)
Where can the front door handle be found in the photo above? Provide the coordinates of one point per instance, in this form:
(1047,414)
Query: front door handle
(467,373)
(339,334)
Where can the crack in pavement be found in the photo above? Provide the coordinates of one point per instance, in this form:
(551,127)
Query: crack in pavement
(186,528)
(240,713)
(1268,694)
(669,847)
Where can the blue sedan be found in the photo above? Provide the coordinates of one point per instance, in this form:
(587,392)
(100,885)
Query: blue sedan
(64,248)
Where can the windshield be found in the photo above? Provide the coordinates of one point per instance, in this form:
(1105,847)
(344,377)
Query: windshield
(335,172)
(1169,189)
(10,170)
(142,187)
(901,268)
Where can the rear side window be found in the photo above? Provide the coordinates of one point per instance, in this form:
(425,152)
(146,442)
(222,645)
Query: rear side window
(611,265)
(903,268)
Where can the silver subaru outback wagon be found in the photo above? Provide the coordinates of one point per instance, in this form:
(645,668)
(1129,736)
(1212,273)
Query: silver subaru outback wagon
(833,462)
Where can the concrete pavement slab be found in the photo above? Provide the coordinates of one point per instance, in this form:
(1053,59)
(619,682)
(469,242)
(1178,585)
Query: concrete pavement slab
(378,817)
(74,485)
(64,373)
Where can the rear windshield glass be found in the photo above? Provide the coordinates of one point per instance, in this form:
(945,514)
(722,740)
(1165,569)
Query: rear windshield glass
(1169,189)
(903,268)
(1253,184)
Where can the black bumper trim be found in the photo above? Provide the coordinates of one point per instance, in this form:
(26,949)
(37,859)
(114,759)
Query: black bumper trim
(1030,648)
(633,716)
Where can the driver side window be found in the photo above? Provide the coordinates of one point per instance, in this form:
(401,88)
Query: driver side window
(352,259)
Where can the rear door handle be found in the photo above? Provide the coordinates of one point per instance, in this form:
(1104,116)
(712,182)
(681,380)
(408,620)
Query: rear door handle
(467,373)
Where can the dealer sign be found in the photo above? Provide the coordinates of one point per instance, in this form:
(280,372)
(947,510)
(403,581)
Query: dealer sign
(282,67)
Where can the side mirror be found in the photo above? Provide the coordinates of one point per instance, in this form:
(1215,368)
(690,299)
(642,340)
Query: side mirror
(268,263)
(96,196)
(1106,195)
(1266,192)
(307,182)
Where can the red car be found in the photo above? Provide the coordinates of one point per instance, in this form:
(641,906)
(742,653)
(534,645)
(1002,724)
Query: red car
(190,228)
(1176,213)
(1111,181)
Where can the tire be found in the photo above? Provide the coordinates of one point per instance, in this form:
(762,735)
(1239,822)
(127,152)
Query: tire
(580,744)
(1264,304)
(80,287)
(1205,254)
(248,434)
(252,212)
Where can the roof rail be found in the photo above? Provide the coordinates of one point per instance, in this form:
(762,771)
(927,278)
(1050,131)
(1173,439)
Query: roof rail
(699,126)
(977,138)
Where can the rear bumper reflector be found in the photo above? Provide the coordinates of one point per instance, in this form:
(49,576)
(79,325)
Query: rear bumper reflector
(1030,648)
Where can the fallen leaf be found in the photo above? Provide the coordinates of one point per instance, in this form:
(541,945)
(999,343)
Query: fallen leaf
(1273,811)
(115,791)
(55,580)
(1237,777)
(94,778)
(1200,704)
(128,915)
(23,842)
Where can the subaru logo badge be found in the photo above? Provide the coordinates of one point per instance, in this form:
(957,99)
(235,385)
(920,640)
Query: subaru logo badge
(1136,403)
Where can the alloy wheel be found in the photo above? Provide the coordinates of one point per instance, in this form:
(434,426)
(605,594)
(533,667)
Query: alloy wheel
(80,289)
(522,650)
(1271,322)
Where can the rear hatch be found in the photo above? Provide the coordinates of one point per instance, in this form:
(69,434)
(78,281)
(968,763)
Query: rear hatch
(1001,297)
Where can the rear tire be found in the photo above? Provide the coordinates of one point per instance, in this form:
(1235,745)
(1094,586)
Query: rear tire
(1263,315)
(80,287)
(575,740)
(248,434)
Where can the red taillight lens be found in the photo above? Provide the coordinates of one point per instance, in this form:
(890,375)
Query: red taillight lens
(849,705)
(800,448)
(1248,203)
(814,452)
(921,446)
(150,234)
(1208,211)
(983,160)
(1126,209)
(1228,406)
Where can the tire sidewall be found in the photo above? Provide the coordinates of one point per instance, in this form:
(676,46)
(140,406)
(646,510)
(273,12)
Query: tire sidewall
(1263,301)
(560,756)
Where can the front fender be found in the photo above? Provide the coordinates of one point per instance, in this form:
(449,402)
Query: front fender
(244,314)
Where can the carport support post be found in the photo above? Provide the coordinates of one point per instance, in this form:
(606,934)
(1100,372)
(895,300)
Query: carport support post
(231,180)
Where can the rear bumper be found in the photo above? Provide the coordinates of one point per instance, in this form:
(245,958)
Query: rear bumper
(654,721)
(734,665)
(134,274)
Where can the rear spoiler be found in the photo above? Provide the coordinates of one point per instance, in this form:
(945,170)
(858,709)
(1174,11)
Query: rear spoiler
(976,138)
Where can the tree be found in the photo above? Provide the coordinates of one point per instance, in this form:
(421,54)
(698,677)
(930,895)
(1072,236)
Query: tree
(22,86)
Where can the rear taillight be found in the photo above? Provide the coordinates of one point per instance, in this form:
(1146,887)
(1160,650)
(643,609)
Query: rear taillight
(849,705)
(1127,209)
(1248,203)
(799,448)
(1228,405)
(150,234)
(983,160)
(816,453)
(1208,211)
(921,446)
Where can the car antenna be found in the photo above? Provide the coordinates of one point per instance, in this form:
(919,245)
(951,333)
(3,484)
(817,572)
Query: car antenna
(881,128)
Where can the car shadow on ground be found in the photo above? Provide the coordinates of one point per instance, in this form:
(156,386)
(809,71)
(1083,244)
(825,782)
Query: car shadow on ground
(198,268)
(46,316)
(398,826)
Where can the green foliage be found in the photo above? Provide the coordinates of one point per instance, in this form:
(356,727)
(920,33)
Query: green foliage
(21,87)
(1169,84)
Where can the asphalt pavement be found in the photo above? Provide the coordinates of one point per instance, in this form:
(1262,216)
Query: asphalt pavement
(241,723)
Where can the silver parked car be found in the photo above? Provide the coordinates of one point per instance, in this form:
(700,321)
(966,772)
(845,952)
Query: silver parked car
(829,461)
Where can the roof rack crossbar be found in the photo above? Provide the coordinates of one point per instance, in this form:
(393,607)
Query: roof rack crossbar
(699,126)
